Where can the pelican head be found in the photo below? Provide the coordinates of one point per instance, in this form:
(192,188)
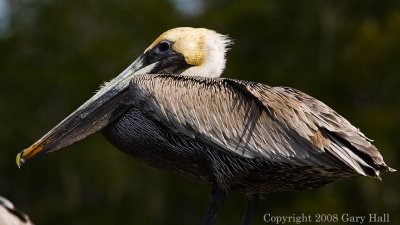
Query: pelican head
(186,51)
(196,51)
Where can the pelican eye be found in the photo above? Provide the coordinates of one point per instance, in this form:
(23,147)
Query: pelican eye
(164,46)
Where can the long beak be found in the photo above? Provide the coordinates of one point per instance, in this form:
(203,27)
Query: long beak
(110,102)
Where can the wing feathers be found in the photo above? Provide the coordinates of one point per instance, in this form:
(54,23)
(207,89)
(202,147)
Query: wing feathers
(255,120)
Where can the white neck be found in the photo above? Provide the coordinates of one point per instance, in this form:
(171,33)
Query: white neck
(216,46)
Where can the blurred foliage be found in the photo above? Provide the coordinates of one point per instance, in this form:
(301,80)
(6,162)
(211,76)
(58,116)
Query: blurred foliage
(55,53)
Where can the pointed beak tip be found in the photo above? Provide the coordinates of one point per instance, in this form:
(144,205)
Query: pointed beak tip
(19,160)
(28,153)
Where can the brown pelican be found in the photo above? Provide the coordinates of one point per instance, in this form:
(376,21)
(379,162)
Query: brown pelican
(169,109)
(9,215)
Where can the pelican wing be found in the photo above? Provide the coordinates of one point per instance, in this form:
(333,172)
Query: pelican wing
(255,120)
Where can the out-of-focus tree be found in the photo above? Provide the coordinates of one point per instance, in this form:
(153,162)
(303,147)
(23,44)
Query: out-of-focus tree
(54,55)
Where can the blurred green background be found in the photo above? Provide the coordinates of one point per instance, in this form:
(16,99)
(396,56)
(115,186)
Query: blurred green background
(55,53)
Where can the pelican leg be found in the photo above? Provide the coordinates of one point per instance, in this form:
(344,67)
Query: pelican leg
(217,201)
(251,206)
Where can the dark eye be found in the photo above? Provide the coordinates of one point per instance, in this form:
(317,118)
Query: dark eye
(164,46)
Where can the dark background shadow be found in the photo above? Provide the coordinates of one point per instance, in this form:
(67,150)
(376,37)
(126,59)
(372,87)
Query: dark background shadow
(55,54)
